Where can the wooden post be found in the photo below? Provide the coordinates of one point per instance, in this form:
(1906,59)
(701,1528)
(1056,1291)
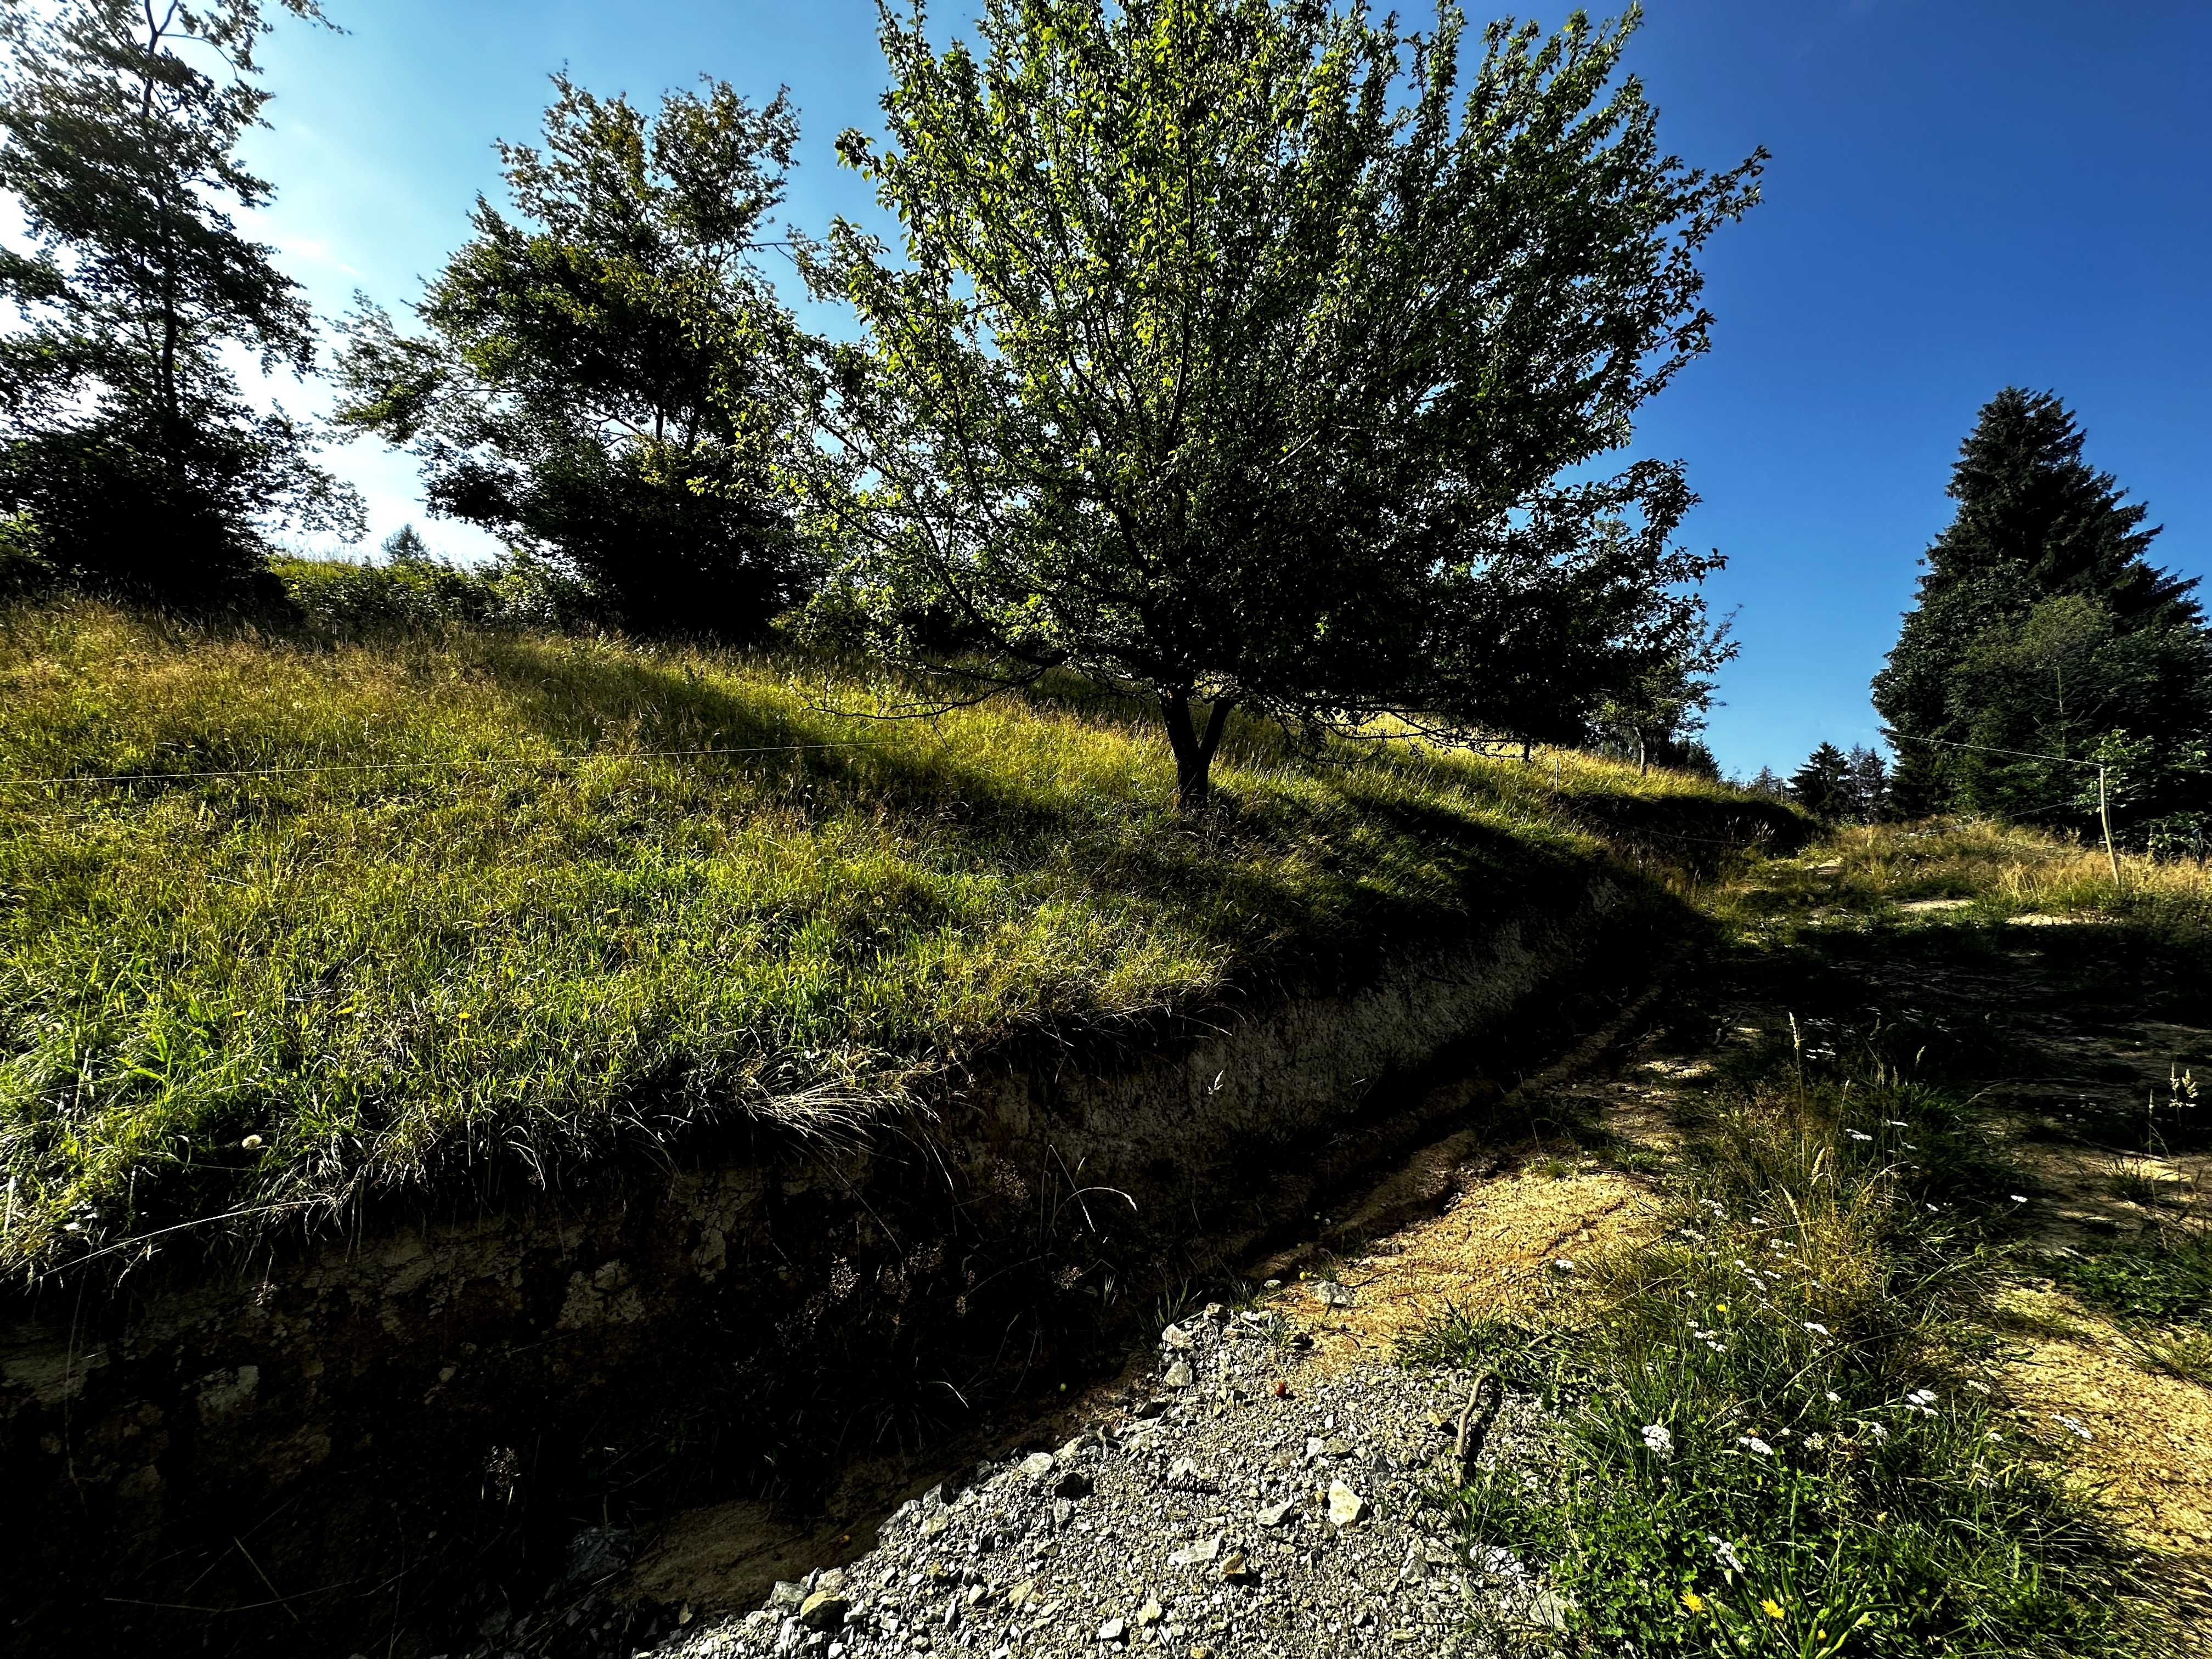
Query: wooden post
(2105,818)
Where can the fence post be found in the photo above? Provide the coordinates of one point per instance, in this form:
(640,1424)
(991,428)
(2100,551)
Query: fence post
(2105,818)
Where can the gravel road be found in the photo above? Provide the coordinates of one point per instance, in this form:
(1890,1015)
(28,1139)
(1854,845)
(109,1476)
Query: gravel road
(1242,1506)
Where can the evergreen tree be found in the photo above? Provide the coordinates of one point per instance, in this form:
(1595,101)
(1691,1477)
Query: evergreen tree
(2040,626)
(128,460)
(595,381)
(1770,784)
(1868,786)
(1822,785)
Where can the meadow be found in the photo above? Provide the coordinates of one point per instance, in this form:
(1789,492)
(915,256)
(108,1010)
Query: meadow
(291,916)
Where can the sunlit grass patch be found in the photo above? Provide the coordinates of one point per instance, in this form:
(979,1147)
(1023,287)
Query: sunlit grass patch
(509,896)
(1776,1434)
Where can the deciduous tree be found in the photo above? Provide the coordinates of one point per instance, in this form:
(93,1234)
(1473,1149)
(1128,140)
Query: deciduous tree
(593,378)
(1239,354)
(128,455)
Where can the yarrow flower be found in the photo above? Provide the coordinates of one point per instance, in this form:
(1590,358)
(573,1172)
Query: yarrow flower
(1920,1397)
(1724,1553)
(1655,1435)
(1755,1444)
(1858,1134)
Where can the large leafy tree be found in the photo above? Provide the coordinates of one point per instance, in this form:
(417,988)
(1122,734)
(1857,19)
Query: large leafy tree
(592,380)
(129,459)
(1236,357)
(2040,628)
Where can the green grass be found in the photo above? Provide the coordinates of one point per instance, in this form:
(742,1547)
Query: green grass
(473,911)
(1830,1474)
(2164,1275)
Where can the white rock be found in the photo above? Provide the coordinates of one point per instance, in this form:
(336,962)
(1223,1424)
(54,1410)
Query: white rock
(1345,1506)
(1330,1294)
(1037,1465)
(1192,1555)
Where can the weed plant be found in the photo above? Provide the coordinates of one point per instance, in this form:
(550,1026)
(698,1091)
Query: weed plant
(1775,1440)
(481,903)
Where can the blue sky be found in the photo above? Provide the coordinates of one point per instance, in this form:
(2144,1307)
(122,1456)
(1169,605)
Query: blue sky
(1963,194)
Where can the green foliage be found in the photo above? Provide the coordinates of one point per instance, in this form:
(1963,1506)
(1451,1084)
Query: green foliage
(128,459)
(484,904)
(415,589)
(2165,1275)
(1774,1440)
(1236,358)
(1822,785)
(2040,627)
(595,383)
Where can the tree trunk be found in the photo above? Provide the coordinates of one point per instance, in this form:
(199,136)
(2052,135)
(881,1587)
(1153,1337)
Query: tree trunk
(1194,751)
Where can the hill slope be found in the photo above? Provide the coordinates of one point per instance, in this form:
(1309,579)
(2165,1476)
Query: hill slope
(499,896)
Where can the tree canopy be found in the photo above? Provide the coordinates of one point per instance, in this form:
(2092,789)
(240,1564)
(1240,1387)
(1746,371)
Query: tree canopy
(594,381)
(129,459)
(1235,357)
(2040,629)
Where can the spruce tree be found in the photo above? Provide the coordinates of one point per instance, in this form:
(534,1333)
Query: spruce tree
(2040,626)
(1822,785)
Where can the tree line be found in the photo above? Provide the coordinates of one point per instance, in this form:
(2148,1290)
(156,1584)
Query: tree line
(2043,649)
(1244,355)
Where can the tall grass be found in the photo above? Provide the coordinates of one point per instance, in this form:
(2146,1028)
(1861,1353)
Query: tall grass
(483,899)
(1774,1436)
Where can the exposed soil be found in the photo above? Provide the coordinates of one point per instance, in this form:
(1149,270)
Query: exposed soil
(1494,1218)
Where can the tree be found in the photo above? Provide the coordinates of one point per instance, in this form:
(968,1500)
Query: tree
(1822,785)
(128,456)
(1866,791)
(2041,628)
(1236,360)
(596,382)
(1769,784)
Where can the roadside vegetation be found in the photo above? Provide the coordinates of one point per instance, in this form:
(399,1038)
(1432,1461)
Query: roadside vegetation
(1780,1428)
(1794,1420)
(502,898)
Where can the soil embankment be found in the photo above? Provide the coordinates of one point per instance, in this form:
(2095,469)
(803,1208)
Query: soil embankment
(358,1434)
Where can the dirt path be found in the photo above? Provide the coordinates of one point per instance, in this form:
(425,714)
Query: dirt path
(1300,1392)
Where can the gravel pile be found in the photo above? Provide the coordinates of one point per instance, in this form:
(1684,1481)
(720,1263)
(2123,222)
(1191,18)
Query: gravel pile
(1236,1510)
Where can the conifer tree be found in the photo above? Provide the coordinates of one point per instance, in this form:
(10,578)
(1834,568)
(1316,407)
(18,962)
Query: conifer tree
(1822,785)
(2040,626)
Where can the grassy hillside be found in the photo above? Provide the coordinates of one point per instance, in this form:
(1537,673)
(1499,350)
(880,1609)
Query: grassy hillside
(479,899)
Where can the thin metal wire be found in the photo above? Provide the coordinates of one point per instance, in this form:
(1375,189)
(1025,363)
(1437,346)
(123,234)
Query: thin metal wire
(428,762)
(1985,749)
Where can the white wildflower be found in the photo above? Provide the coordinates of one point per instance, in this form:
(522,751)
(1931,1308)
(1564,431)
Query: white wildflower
(2018,1199)
(1858,1134)
(1834,1398)
(1897,1123)
(1755,1444)
(1724,1553)
(1564,1264)
(1658,1439)
(1816,1328)
(1877,1431)
(1920,1397)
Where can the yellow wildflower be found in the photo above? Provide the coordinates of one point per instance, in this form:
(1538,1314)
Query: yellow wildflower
(1770,1607)
(1691,1599)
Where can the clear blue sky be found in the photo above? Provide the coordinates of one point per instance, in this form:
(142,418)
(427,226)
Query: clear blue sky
(1964,193)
